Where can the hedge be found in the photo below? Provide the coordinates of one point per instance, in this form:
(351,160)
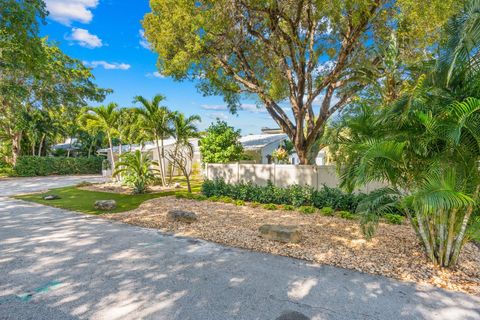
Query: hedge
(29,166)
(295,195)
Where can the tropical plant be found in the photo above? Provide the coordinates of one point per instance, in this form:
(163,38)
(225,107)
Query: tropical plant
(184,129)
(136,170)
(426,146)
(221,144)
(104,118)
(157,121)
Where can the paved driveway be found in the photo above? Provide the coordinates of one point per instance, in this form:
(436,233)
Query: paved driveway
(12,186)
(56,264)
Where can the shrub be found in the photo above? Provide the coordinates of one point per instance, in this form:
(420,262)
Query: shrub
(336,199)
(84,184)
(346,215)
(239,203)
(255,204)
(288,207)
(394,218)
(213,198)
(30,166)
(269,206)
(200,197)
(225,199)
(327,211)
(307,209)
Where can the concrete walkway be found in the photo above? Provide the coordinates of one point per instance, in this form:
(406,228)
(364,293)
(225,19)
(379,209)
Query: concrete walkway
(56,264)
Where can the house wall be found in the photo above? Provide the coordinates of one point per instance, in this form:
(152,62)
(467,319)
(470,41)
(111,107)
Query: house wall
(279,175)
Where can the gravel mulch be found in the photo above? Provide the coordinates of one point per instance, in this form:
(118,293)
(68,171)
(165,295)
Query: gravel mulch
(394,252)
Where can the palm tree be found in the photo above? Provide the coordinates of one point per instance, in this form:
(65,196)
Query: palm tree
(157,120)
(426,145)
(184,129)
(136,168)
(104,118)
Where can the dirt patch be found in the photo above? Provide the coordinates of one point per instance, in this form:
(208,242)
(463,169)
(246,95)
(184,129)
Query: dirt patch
(394,252)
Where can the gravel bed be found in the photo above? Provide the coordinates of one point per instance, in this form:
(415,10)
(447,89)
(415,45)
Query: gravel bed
(394,252)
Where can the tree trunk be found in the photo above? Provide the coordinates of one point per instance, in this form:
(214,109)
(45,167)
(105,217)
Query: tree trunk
(42,141)
(187,177)
(110,144)
(16,147)
(160,162)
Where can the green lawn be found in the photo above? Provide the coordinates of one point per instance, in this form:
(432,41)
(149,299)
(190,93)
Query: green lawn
(83,200)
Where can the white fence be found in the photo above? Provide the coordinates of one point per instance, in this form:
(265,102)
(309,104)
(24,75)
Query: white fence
(279,175)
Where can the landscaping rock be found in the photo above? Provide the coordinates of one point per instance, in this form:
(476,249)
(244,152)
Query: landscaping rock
(280,233)
(183,216)
(105,205)
(51,197)
(177,185)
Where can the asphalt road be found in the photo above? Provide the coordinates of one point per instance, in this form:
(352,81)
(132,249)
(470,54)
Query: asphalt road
(56,264)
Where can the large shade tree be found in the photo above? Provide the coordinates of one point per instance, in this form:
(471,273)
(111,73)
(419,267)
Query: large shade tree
(315,55)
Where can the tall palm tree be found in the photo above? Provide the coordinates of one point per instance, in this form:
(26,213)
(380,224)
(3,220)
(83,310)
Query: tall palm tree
(104,118)
(157,120)
(184,129)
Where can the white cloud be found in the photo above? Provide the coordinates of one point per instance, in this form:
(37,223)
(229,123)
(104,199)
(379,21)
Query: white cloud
(252,108)
(155,74)
(143,41)
(84,38)
(67,11)
(217,107)
(218,115)
(108,65)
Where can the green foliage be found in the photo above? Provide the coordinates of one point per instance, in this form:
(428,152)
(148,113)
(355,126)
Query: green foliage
(270,206)
(288,207)
(225,199)
(307,209)
(346,215)
(327,211)
(239,203)
(425,144)
(255,204)
(258,47)
(212,198)
(135,170)
(30,166)
(294,195)
(220,144)
(394,218)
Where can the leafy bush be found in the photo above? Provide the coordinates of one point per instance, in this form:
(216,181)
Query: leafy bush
(30,166)
(288,207)
(269,206)
(239,203)
(394,218)
(336,199)
(327,211)
(135,169)
(213,198)
(225,199)
(255,204)
(83,184)
(346,215)
(200,197)
(307,209)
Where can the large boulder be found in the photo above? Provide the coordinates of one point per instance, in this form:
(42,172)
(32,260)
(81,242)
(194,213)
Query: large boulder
(183,216)
(280,233)
(105,205)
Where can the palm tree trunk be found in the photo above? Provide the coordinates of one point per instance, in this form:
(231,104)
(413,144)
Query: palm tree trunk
(160,163)
(110,144)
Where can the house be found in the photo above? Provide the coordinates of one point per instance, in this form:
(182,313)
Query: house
(261,146)
(151,149)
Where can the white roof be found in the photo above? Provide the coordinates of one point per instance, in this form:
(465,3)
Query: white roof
(148,146)
(258,141)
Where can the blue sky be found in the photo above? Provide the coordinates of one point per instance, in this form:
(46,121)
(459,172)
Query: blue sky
(106,35)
